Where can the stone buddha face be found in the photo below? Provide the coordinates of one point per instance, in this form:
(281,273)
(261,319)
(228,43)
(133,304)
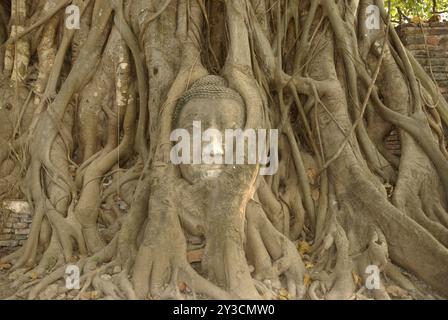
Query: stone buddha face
(209,117)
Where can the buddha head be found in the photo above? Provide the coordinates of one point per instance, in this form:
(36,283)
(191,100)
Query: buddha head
(207,109)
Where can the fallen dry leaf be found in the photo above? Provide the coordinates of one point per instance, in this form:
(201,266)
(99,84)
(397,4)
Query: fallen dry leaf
(397,292)
(5,266)
(308,265)
(304,248)
(306,279)
(182,286)
(356,278)
(283,292)
(89,295)
(312,175)
(33,275)
(73,259)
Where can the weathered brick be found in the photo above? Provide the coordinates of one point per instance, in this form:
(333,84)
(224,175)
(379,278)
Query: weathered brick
(5,236)
(22,231)
(413,47)
(21,236)
(414,39)
(404,30)
(436,69)
(433,62)
(433,40)
(440,76)
(431,53)
(443,83)
(9,243)
(17,215)
(437,31)
(195,255)
(443,42)
(8,230)
(8,225)
(13,219)
(438,24)
(20,225)
(393,145)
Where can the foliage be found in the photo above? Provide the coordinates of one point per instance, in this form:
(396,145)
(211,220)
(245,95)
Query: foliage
(423,9)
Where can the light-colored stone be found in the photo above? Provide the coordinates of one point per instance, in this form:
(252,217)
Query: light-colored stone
(5,236)
(195,255)
(20,225)
(17,206)
(27,217)
(9,243)
(106,277)
(22,231)
(429,44)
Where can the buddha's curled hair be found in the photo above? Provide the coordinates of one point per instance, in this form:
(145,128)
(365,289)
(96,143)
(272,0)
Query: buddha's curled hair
(208,87)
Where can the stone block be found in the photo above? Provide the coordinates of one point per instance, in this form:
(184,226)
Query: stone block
(9,243)
(21,236)
(17,206)
(22,231)
(20,225)
(433,40)
(5,237)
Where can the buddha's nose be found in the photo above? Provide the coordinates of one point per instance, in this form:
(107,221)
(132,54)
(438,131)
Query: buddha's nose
(216,148)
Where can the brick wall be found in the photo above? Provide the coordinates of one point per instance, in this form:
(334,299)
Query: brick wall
(392,143)
(15,222)
(428,43)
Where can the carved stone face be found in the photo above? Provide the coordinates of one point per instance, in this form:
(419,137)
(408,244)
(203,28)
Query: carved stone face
(219,114)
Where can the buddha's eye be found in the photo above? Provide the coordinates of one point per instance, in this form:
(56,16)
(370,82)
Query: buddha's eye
(8,106)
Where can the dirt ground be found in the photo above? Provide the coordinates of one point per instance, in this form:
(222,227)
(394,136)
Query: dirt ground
(57,291)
